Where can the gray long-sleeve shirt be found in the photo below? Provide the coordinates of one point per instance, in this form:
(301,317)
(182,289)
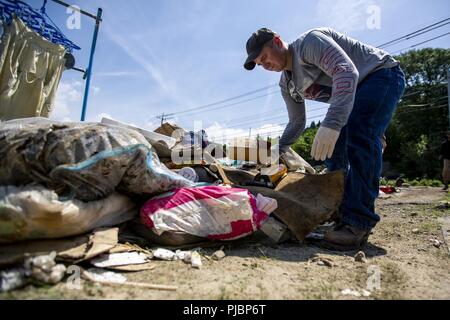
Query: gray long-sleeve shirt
(327,66)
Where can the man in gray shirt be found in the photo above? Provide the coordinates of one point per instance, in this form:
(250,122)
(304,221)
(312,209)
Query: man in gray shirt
(362,85)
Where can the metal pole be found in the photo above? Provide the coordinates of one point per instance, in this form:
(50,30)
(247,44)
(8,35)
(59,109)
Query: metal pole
(91,59)
(76,9)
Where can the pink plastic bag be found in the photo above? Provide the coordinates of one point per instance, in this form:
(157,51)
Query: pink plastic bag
(213,212)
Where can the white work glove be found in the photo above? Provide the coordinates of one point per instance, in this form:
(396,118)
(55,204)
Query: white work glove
(324,143)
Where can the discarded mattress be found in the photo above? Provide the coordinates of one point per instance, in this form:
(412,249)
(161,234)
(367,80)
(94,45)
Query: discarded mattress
(34,212)
(85,161)
(213,212)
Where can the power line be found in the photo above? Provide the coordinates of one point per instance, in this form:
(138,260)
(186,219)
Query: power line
(281,124)
(223,101)
(418,44)
(259,116)
(257,132)
(272,118)
(423,32)
(424,109)
(426,104)
(231,137)
(418,34)
(252,122)
(411,94)
(232,104)
(163,118)
(417,92)
(269,112)
(262,116)
(412,33)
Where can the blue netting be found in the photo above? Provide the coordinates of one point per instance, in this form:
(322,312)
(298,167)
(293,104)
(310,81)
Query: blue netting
(38,21)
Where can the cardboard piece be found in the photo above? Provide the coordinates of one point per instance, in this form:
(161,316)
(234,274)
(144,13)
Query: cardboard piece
(73,249)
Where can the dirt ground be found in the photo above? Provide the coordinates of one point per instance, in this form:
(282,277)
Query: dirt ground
(402,253)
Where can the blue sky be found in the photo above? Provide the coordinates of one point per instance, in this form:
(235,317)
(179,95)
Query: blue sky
(169,56)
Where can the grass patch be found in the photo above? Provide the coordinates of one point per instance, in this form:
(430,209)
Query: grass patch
(432,212)
(413,182)
(447,197)
(430,227)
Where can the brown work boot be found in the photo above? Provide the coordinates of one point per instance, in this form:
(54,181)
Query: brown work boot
(345,238)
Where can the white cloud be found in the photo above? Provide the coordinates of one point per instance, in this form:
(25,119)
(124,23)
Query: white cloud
(68,97)
(116,74)
(142,54)
(343,15)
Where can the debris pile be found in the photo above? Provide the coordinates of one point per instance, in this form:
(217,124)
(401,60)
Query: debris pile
(104,199)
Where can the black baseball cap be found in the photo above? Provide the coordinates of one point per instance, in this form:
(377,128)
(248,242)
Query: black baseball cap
(255,45)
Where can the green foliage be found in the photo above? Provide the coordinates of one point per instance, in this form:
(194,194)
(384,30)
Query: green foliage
(420,122)
(303,145)
(413,183)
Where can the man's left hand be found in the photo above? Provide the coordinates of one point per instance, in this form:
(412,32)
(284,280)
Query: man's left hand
(324,143)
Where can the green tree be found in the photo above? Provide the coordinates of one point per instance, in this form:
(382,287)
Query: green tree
(303,145)
(420,121)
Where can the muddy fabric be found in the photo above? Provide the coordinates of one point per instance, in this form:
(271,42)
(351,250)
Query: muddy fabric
(30,71)
(87,161)
(304,200)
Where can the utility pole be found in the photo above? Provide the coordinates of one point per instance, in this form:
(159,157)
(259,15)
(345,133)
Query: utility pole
(250,133)
(164,117)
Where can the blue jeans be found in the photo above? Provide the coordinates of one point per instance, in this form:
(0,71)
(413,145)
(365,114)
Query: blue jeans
(358,149)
